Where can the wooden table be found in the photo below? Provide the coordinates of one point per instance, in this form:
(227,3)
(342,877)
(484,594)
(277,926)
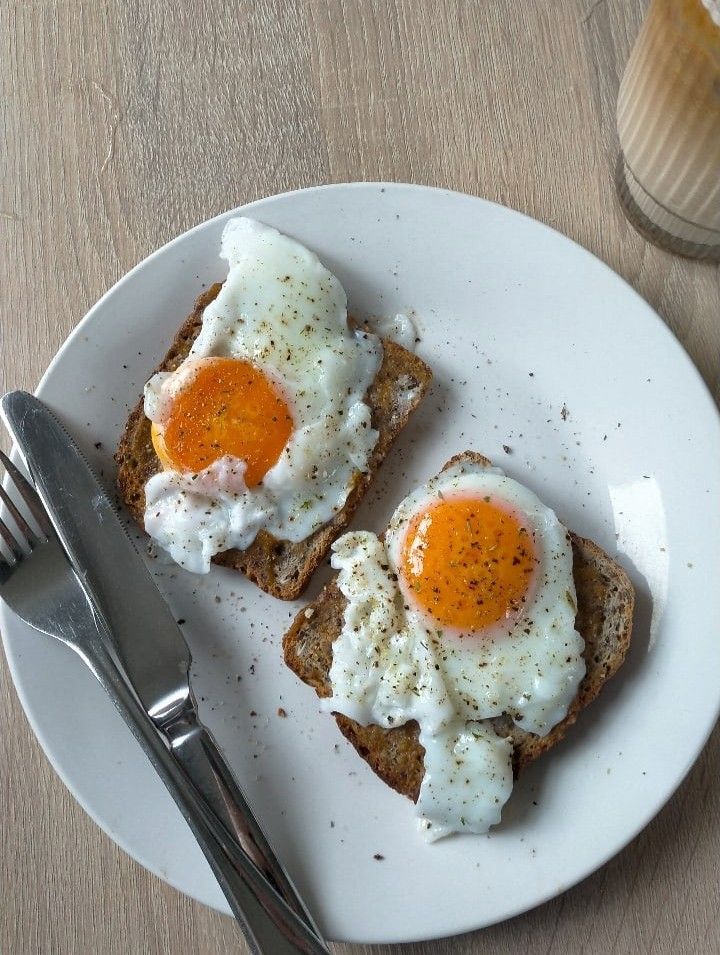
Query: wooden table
(125,123)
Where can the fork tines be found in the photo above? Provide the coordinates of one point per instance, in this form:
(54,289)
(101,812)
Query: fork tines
(30,496)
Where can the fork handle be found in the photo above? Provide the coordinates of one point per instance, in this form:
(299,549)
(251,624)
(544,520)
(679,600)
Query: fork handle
(270,926)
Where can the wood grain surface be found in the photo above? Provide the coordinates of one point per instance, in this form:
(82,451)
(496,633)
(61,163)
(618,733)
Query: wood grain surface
(124,123)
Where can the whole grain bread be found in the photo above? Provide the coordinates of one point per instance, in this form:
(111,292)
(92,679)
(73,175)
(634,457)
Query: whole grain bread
(279,567)
(605,599)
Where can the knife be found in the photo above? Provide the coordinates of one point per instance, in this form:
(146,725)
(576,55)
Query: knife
(156,661)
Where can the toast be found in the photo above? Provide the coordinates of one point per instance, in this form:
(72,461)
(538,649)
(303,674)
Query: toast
(605,599)
(280,568)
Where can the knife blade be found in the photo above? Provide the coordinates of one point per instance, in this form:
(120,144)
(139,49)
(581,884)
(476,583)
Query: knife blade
(145,636)
(149,642)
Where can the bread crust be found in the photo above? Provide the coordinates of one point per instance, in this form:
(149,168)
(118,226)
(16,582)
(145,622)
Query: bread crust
(605,599)
(280,568)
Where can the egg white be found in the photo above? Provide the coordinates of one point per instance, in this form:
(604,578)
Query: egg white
(282,310)
(391,663)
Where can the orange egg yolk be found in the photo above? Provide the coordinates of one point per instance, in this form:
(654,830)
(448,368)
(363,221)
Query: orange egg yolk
(228,407)
(469,562)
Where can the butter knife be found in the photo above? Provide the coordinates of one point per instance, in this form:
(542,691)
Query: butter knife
(156,661)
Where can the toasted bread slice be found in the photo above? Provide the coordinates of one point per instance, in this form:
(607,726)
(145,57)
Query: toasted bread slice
(279,567)
(605,600)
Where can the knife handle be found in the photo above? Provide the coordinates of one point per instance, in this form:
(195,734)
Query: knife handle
(270,926)
(194,748)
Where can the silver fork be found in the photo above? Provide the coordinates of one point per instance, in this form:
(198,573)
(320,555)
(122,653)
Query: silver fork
(40,586)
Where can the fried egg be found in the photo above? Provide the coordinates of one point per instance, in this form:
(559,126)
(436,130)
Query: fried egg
(264,425)
(464,612)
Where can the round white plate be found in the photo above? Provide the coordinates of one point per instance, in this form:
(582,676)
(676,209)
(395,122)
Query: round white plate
(550,364)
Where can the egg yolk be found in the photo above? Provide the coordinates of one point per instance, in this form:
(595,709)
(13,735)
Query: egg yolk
(228,407)
(469,562)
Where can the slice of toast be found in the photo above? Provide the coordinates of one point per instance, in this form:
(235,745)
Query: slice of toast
(605,600)
(279,567)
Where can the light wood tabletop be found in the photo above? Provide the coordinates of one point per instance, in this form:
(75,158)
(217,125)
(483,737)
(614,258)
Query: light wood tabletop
(123,124)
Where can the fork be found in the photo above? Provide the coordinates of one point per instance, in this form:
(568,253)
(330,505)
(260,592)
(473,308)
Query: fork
(60,608)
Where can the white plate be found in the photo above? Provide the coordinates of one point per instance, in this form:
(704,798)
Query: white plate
(535,345)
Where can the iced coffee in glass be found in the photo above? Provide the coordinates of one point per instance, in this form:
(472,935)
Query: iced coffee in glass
(668,115)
